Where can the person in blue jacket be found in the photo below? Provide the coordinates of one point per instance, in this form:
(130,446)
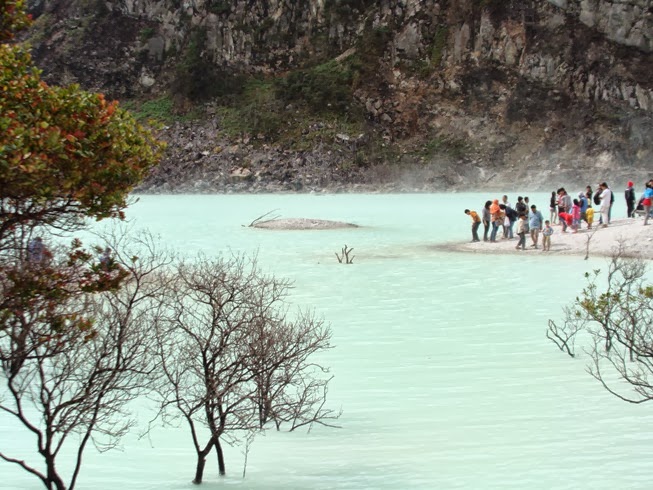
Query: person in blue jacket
(535,221)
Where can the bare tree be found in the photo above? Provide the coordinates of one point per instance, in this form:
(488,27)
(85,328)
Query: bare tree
(74,350)
(617,318)
(345,255)
(232,359)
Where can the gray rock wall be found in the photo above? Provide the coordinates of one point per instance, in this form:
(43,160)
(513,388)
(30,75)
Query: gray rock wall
(267,35)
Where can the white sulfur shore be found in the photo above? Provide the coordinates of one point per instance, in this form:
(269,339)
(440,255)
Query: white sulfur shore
(637,241)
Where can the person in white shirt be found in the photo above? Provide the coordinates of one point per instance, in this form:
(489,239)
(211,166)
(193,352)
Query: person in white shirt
(606,198)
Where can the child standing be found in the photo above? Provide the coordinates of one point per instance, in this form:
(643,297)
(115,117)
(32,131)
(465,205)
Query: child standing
(522,228)
(575,216)
(589,217)
(546,236)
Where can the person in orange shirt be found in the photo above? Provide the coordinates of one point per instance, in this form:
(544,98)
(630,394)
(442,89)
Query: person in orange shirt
(476,222)
(497,217)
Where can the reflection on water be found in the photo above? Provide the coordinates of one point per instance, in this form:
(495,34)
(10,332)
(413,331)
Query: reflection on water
(441,365)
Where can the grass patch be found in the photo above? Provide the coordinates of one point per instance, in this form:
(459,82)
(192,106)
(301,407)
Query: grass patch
(453,147)
(146,33)
(439,44)
(256,111)
(158,111)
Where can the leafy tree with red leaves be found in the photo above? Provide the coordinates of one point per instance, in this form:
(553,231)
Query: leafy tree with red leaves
(72,331)
(65,154)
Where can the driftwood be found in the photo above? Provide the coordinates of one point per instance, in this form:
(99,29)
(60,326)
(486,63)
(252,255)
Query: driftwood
(261,219)
(345,255)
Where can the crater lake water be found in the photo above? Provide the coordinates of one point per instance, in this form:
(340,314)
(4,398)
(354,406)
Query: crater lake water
(442,367)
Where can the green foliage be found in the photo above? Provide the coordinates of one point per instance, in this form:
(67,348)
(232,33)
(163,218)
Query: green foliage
(197,78)
(453,147)
(370,48)
(256,111)
(374,41)
(160,110)
(439,44)
(324,88)
(65,155)
(490,4)
(344,9)
(264,26)
(41,290)
(63,152)
(146,33)
(12,19)
(92,7)
(219,7)
(259,112)
(615,313)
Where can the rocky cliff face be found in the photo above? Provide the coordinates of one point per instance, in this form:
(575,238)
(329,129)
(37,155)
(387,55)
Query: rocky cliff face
(453,94)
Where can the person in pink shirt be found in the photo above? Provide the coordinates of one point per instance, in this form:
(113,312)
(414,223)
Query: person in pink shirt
(575,216)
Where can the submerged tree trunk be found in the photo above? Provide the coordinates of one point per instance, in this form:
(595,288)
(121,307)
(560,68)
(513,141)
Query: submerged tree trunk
(218,449)
(54,480)
(199,470)
(201,463)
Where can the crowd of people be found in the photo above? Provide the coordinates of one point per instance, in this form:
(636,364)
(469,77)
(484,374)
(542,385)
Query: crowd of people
(499,217)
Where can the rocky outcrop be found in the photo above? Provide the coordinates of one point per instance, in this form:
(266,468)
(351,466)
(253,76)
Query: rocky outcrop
(536,90)
(571,44)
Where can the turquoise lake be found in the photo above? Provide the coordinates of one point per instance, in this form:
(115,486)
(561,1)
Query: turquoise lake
(442,367)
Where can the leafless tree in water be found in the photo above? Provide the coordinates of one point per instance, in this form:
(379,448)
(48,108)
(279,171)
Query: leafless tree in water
(233,360)
(74,350)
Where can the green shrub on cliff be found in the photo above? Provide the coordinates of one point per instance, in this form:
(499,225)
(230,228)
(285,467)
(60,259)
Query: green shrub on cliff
(197,78)
(323,88)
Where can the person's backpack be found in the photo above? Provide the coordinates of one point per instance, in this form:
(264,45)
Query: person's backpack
(597,197)
(611,198)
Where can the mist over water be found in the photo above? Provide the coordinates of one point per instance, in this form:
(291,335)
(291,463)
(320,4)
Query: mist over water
(442,367)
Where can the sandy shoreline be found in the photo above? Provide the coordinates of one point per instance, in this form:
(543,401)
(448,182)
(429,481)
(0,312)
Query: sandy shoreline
(636,238)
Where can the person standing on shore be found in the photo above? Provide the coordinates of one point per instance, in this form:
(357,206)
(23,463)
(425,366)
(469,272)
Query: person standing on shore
(565,220)
(553,207)
(589,216)
(509,218)
(564,201)
(522,228)
(520,207)
(606,203)
(535,221)
(486,219)
(575,216)
(647,201)
(496,217)
(630,200)
(504,201)
(582,201)
(546,236)
(476,222)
